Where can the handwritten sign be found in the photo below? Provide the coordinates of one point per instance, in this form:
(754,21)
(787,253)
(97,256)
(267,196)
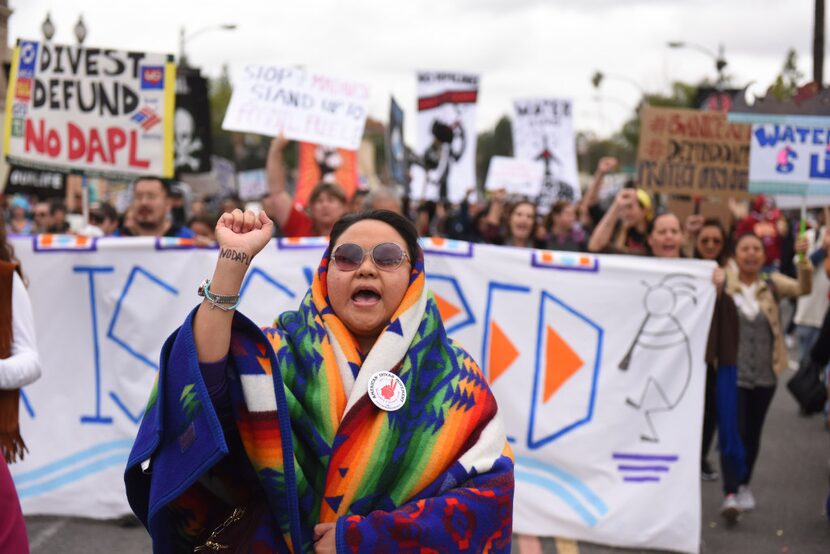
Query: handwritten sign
(303,105)
(692,152)
(543,132)
(517,176)
(253,184)
(93,109)
(791,158)
(444,165)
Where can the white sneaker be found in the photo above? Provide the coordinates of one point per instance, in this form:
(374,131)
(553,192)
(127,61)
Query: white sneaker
(746,502)
(730,511)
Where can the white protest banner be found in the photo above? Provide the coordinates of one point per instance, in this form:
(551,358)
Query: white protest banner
(303,105)
(543,131)
(792,157)
(517,176)
(604,426)
(253,184)
(445,168)
(91,109)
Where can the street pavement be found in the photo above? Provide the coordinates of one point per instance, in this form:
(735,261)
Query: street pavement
(790,485)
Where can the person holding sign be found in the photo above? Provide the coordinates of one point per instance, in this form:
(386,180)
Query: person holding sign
(327,201)
(353,425)
(762,353)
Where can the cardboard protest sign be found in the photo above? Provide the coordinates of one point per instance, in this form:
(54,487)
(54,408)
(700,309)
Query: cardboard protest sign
(323,164)
(91,109)
(29,181)
(515,175)
(446,136)
(791,157)
(696,153)
(543,131)
(303,105)
(395,147)
(193,143)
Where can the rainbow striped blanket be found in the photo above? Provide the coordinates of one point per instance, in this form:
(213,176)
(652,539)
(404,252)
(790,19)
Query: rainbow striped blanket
(434,476)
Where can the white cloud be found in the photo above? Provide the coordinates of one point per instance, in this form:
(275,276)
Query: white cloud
(522,48)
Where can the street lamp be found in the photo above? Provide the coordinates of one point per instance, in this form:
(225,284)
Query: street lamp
(183,38)
(47,27)
(720,64)
(80,30)
(599,76)
(720,61)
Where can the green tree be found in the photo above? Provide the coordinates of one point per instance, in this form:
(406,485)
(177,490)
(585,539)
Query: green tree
(682,96)
(219,96)
(498,142)
(786,83)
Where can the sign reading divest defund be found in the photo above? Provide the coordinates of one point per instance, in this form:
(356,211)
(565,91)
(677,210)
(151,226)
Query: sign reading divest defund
(692,152)
(92,109)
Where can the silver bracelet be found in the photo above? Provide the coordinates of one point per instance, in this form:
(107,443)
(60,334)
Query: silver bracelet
(225,302)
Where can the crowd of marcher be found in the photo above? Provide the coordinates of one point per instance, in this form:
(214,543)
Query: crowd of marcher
(763,261)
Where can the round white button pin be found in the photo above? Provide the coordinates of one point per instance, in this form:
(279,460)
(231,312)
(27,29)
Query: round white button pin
(387,391)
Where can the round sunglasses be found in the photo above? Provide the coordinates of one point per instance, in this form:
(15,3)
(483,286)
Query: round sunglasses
(386,256)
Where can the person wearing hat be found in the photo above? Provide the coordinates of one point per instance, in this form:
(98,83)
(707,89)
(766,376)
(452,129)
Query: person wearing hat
(19,221)
(624,227)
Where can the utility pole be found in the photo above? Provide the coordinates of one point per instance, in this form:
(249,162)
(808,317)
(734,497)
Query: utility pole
(818,44)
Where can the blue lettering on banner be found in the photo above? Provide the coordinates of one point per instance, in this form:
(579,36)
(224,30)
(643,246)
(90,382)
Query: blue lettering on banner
(534,442)
(492,287)
(469,318)
(824,172)
(117,312)
(27,405)
(91,271)
(256,272)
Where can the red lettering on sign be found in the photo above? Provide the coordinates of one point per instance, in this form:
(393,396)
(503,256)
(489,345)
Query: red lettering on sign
(77,144)
(116,140)
(153,75)
(33,138)
(43,142)
(134,161)
(96,148)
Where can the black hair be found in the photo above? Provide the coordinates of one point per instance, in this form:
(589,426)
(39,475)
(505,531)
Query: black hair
(651,223)
(166,184)
(726,246)
(56,205)
(106,210)
(749,234)
(402,225)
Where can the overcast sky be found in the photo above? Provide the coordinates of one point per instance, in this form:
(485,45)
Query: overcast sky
(521,48)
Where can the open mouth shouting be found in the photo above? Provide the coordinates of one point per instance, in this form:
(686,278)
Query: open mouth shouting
(366,296)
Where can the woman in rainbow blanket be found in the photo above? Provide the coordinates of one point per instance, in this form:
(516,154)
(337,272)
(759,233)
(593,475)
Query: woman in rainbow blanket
(354,424)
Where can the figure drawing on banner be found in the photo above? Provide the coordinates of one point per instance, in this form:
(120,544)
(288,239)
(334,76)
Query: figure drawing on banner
(325,164)
(445,165)
(543,131)
(661,337)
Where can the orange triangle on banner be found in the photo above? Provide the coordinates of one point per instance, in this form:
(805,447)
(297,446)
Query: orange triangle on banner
(502,352)
(561,362)
(445,308)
